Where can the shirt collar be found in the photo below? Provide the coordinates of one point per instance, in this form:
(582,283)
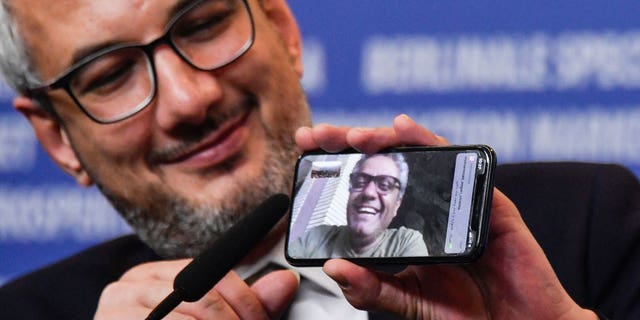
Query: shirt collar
(276,256)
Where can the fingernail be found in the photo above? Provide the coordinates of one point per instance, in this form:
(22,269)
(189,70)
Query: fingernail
(297,274)
(342,283)
(332,270)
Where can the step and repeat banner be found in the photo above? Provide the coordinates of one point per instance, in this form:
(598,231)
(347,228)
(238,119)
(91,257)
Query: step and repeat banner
(537,80)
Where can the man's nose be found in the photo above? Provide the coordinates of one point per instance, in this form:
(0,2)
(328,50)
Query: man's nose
(185,94)
(370,189)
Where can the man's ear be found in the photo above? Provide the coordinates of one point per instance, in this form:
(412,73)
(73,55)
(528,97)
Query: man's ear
(279,13)
(53,138)
(395,211)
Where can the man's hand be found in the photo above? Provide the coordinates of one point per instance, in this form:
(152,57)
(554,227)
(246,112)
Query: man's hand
(367,140)
(141,288)
(512,280)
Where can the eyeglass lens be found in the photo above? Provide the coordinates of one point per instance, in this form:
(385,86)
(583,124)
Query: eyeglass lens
(121,82)
(383,183)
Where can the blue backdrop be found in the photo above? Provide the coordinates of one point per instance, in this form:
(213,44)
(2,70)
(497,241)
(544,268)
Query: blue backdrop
(538,80)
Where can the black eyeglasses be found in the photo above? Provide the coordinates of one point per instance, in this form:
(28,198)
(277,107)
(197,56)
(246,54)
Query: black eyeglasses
(384,184)
(115,83)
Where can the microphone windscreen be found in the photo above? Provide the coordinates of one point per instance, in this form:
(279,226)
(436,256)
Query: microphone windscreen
(199,276)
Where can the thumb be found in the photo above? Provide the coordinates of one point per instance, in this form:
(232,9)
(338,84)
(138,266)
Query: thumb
(276,290)
(363,288)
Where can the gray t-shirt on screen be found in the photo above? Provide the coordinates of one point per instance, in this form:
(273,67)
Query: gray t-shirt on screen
(333,241)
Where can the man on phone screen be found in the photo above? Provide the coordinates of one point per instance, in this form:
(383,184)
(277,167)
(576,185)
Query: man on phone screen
(376,187)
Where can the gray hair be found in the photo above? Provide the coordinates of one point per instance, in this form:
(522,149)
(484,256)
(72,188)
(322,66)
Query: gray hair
(15,64)
(398,159)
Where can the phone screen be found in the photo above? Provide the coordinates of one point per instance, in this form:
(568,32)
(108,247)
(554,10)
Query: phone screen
(413,205)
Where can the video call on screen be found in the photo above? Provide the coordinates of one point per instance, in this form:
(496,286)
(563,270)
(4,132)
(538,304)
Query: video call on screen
(437,202)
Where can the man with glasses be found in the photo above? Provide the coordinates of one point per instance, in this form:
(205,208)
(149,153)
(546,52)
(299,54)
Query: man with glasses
(184,114)
(173,109)
(376,187)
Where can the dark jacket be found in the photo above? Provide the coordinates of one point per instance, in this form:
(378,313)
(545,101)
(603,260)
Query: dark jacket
(586,217)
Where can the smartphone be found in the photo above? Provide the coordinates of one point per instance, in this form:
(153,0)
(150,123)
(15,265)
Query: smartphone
(406,205)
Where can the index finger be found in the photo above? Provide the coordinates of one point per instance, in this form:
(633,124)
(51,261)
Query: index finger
(405,131)
(158,270)
(322,136)
(411,133)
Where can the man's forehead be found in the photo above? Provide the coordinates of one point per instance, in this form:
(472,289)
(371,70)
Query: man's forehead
(380,164)
(59,32)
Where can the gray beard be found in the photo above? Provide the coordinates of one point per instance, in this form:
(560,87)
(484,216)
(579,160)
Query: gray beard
(174,227)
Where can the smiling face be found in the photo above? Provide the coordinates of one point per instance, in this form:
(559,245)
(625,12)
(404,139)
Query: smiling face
(370,208)
(211,145)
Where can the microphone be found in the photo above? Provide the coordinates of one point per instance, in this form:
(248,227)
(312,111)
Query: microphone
(205,270)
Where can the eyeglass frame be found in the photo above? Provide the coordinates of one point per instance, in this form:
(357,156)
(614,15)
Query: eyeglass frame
(63,80)
(397,185)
